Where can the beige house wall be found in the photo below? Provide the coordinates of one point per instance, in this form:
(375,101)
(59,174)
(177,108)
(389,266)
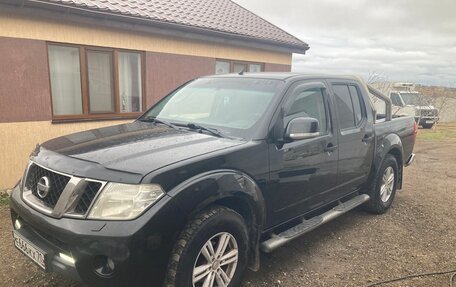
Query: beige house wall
(18,140)
(29,27)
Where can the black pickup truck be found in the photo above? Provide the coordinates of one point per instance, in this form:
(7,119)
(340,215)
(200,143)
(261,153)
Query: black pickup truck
(222,168)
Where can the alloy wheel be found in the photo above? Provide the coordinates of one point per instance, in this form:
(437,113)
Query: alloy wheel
(216,262)
(386,189)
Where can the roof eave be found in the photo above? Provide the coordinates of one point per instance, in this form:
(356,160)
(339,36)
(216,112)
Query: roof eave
(163,28)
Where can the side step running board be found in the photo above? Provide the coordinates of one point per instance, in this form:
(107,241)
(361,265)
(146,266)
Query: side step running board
(280,239)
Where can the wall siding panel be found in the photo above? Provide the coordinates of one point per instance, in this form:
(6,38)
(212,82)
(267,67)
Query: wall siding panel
(24,76)
(269,67)
(165,72)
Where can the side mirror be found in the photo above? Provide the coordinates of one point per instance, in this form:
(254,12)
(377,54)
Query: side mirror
(302,128)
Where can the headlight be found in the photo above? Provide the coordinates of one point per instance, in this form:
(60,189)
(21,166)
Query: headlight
(119,201)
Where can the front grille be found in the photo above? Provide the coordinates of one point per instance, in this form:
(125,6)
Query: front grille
(428,113)
(87,197)
(57,183)
(44,193)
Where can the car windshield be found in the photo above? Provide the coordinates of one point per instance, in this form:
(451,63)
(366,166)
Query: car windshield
(231,105)
(414,99)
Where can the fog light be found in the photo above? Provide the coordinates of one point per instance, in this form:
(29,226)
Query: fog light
(17,224)
(67,258)
(103,266)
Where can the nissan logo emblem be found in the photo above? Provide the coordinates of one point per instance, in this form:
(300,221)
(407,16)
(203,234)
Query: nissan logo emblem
(43,186)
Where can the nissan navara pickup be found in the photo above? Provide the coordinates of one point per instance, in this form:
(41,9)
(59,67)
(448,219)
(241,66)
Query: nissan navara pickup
(221,169)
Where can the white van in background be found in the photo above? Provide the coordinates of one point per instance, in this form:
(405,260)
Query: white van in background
(407,101)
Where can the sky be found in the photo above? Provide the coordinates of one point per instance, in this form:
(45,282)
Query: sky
(402,40)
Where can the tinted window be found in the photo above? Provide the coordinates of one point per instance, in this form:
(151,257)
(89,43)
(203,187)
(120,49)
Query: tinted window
(307,103)
(356,104)
(396,100)
(344,106)
(414,99)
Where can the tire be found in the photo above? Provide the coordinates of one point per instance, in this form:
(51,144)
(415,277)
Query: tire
(207,229)
(382,192)
(427,126)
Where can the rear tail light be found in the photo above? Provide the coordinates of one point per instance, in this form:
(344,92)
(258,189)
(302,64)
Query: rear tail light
(415,130)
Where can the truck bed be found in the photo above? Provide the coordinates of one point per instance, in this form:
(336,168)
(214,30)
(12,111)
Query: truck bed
(401,126)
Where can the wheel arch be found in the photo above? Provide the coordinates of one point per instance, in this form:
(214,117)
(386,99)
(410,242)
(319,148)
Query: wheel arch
(230,188)
(398,155)
(390,145)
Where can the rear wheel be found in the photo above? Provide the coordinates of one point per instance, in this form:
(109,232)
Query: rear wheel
(211,251)
(383,189)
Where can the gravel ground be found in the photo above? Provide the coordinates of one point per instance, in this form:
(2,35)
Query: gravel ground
(417,235)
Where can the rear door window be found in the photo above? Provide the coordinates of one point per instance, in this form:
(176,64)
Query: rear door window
(356,104)
(349,106)
(344,106)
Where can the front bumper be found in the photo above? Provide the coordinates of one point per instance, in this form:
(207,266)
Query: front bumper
(139,248)
(428,120)
(54,263)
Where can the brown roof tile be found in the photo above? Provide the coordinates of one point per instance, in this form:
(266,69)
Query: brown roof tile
(217,15)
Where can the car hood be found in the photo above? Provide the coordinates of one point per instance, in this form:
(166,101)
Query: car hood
(421,107)
(426,107)
(136,148)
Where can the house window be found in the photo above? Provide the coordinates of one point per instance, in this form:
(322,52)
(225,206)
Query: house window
(222,67)
(130,84)
(227,66)
(65,75)
(255,68)
(240,67)
(90,82)
(100,81)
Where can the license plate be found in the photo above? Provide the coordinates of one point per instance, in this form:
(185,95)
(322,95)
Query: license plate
(429,122)
(33,252)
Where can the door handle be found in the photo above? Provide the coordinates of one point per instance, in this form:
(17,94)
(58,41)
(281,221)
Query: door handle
(330,147)
(368,138)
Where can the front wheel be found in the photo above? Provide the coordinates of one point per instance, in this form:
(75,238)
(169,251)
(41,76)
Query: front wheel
(383,189)
(212,251)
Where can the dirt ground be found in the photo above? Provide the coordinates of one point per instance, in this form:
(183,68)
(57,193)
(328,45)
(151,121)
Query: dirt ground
(417,235)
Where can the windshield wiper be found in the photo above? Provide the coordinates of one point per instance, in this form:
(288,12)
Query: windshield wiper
(191,126)
(157,121)
(212,131)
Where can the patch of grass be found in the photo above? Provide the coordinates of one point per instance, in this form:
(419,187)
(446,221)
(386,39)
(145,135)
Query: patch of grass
(4,198)
(441,132)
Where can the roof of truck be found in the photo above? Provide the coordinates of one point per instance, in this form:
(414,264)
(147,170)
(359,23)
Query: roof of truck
(287,76)
(406,92)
